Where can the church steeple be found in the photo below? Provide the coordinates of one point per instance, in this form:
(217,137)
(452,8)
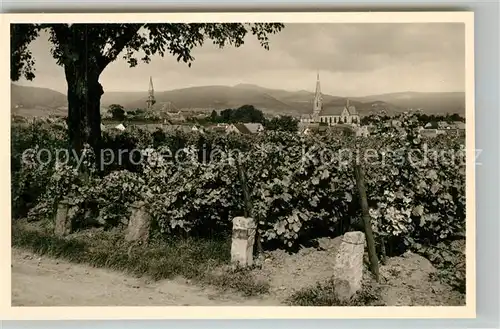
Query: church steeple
(318,100)
(151,95)
(318,85)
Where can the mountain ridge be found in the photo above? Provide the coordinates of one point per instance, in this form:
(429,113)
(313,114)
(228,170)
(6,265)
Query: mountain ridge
(271,101)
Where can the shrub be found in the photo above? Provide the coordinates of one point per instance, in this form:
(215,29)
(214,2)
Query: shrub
(29,177)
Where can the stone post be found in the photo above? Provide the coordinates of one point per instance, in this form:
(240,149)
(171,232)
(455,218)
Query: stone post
(244,229)
(139,223)
(348,269)
(63,224)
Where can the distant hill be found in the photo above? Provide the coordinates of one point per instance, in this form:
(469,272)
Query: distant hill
(34,101)
(271,101)
(431,103)
(113,97)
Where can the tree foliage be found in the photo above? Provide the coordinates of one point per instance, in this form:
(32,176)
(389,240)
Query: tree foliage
(104,43)
(283,123)
(117,111)
(243,114)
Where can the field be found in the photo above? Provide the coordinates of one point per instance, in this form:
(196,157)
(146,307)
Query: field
(303,195)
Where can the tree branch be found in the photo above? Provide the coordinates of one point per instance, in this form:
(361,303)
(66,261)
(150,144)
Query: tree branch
(62,36)
(120,43)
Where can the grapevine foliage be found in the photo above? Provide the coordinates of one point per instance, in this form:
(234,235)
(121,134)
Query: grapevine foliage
(300,185)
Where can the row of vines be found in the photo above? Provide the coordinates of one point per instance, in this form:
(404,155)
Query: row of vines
(300,186)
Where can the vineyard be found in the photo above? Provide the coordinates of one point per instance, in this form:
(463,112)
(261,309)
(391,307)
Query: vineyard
(301,187)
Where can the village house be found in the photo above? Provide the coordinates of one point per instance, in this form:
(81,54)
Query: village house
(427,132)
(245,128)
(438,125)
(443,125)
(120,127)
(430,132)
(433,128)
(312,128)
(183,128)
(219,127)
(318,128)
(175,116)
(457,128)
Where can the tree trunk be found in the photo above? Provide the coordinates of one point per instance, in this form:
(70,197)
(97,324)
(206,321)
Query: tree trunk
(84,102)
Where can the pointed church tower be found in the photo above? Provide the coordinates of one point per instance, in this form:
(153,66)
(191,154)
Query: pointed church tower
(318,101)
(151,95)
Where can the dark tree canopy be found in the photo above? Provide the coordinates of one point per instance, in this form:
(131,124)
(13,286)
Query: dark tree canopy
(243,114)
(103,43)
(117,111)
(283,123)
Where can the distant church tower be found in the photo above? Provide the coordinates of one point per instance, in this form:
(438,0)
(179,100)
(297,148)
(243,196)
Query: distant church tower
(318,101)
(151,95)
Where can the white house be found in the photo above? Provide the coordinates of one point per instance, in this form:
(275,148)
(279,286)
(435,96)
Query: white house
(120,127)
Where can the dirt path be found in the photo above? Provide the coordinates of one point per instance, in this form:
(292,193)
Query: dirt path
(48,282)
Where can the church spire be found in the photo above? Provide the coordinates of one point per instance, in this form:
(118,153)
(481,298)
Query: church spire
(318,99)
(151,95)
(151,89)
(318,85)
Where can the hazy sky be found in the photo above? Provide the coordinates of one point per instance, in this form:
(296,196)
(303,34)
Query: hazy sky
(352,59)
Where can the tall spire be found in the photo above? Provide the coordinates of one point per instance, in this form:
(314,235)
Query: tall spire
(318,86)
(151,95)
(318,100)
(151,89)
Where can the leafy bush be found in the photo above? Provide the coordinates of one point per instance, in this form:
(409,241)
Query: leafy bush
(29,176)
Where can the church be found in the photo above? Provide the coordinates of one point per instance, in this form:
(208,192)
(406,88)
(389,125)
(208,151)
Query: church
(330,115)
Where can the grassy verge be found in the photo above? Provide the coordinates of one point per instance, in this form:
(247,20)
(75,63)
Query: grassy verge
(323,294)
(193,259)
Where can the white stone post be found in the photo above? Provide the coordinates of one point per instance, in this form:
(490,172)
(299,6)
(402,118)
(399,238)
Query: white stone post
(63,224)
(348,269)
(139,223)
(243,240)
